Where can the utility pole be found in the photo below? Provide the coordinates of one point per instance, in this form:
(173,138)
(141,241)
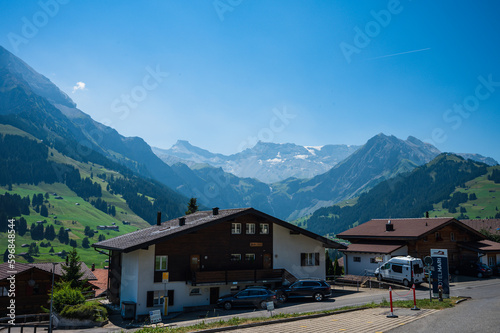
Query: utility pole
(52,297)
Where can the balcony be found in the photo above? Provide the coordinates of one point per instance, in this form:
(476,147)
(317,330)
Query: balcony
(243,276)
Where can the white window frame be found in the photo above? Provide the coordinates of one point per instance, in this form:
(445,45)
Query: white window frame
(250,228)
(235,228)
(235,256)
(250,257)
(264,228)
(163,261)
(452,236)
(356,259)
(310,259)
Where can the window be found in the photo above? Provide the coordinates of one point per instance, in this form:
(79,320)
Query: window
(195,292)
(309,259)
(491,261)
(235,257)
(438,236)
(373,261)
(250,228)
(425,238)
(235,228)
(356,259)
(397,268)
(250,257)
(4,291)
(264,228)
(158,294)
(161,263)
(452,236)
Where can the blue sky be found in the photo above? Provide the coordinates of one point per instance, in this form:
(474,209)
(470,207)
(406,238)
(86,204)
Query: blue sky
(223,74)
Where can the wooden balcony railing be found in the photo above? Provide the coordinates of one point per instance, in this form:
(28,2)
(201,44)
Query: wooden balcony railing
(247,275)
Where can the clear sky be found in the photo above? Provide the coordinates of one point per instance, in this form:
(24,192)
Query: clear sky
(224,73)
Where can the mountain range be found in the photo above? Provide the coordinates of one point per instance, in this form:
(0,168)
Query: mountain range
(285,180)
(267,162)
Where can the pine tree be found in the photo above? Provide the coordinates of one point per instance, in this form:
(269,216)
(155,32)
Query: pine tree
(72,270)
(192,206)
(85,243)
(44,211)
(73,243)
(22,226)
(6,255)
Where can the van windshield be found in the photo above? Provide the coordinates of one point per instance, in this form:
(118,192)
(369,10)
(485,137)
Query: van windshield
(417,269)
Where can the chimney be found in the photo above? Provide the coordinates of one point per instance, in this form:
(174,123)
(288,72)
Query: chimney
(93,267)
(389,226)
(158,219)
(182,221)
(215,211)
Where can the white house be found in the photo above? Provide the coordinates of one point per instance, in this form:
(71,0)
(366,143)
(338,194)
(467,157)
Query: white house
(208,254)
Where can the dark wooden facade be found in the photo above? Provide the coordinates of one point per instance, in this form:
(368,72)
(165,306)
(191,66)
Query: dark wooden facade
(29,299)
(211,249)
(448,237)
(114,277)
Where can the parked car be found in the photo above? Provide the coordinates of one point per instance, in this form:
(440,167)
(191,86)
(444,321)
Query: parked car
(253,296)
(475,269)
(406,270)
(316,289)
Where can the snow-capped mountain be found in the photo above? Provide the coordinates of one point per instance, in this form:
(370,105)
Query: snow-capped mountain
(267,162)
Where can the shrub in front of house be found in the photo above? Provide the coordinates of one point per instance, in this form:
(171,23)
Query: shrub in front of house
(65,295)
(86,311)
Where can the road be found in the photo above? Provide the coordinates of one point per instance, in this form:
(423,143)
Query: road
(479,314)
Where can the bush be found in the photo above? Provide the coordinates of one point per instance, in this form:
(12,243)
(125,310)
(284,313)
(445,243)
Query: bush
(86,311)
(65,295)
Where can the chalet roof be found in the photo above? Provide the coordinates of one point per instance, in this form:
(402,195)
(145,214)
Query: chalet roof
(404,229)
(199,220)
(373,248)
(47,266)
(6,271)
(101,282)
(482,246)
(44,266)
(491,225)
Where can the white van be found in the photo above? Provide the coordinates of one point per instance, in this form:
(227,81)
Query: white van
(406,270)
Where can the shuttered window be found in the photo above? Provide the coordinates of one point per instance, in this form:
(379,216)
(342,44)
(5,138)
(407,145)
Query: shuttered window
(309,259)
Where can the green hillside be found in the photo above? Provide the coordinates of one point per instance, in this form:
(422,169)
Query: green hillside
(74,213)
(485,206)
(65,207)
(427,187)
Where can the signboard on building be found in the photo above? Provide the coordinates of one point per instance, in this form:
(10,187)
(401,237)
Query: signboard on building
(440,274)
(164,277)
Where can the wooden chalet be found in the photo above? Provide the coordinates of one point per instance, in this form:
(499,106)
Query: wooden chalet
(207,254)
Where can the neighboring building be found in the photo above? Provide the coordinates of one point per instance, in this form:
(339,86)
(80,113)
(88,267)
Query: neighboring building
(490,225)
(32,284)
(101,282)
(378,240)
(208,254)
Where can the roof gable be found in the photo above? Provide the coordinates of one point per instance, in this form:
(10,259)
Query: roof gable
(193,222)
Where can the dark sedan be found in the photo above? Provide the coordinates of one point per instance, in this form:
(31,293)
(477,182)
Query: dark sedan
(316,289)
(257,297)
